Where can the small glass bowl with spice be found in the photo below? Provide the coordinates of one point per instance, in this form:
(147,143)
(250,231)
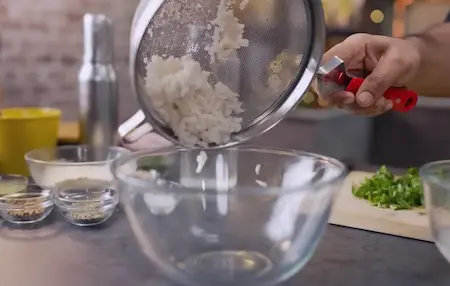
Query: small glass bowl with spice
(30,205)
(87,205)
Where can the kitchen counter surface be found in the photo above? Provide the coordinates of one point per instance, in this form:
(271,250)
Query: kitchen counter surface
(57,253)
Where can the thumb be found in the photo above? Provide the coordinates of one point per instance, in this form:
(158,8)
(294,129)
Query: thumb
(386,73)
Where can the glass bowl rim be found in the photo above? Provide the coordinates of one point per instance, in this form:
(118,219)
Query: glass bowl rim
(103,198)
(11,177)
(20,180)
(29,156)
(426,175)
(47,199)
(122,160)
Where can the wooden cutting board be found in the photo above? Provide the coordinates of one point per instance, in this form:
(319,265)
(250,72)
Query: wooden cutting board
(352,212)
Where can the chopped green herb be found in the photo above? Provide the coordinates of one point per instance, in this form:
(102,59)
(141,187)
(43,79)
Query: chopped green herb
(151,163)
(385,190)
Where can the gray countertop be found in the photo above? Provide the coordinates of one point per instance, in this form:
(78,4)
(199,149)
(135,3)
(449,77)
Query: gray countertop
(56,253)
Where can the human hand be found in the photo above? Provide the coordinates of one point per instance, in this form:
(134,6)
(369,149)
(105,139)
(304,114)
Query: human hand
(392,63)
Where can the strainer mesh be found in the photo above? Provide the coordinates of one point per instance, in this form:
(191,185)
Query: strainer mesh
(260,72)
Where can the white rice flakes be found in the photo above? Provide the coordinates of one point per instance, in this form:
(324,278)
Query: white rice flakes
(198,112)
(228,36)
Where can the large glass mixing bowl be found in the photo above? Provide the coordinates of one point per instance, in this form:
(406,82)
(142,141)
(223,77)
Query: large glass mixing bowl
(436,184)
(245,216)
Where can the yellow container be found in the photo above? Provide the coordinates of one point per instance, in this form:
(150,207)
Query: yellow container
(23,130)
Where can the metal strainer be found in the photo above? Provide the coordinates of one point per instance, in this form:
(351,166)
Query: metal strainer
(271,74)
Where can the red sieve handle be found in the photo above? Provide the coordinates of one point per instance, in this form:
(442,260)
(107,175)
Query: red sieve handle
(403,100)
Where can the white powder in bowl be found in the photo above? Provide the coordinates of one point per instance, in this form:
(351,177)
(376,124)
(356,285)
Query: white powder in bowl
(53,175)
(198,112)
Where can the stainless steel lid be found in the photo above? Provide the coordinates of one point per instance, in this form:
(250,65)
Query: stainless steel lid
(98,39)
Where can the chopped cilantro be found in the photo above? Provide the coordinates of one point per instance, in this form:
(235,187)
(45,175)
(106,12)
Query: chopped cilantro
(151,163)
(385,190)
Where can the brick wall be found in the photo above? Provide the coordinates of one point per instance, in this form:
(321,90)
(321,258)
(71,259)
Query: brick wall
(41,48)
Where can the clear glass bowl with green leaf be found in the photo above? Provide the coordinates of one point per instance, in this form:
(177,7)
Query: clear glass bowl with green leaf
(436,184)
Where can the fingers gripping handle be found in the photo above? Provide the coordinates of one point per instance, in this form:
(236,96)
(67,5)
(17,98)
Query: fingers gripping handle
(403,100)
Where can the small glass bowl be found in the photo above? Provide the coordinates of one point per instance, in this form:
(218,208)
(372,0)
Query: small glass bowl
(32,204)
(436,186)
(10,184)
(87,206)
(53,167)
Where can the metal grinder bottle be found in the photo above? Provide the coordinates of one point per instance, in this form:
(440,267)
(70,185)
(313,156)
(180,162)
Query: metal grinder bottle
(98,88)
